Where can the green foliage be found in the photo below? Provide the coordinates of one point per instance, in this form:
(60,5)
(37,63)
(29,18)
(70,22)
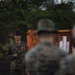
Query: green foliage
(4,47)
(24,14)
(1,55)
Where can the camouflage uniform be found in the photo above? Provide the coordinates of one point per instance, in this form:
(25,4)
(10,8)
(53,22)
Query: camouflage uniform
(44,58)
(67,65)
(17,65)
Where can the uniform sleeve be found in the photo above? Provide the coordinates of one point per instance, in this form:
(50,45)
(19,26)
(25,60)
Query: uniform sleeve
(30,59)
(24,51)
(61,52)
(9,51)
(26,47)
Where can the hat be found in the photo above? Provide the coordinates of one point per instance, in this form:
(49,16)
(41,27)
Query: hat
(17,32)
(46,25)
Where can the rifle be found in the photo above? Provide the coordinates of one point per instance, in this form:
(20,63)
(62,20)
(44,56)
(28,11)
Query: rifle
(12,58)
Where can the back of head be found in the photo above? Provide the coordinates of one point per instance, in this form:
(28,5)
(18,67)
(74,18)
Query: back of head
(45,25)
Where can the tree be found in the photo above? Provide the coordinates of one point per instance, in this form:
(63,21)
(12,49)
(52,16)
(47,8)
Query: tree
(24,15)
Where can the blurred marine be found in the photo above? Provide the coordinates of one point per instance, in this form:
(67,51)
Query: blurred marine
(44,58)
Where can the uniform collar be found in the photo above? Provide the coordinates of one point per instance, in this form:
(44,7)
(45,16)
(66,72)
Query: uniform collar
(46,43)
(18,44)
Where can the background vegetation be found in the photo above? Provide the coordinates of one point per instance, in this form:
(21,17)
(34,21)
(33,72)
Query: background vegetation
(24,14)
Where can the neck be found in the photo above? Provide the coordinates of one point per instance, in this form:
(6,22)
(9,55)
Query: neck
(18,41)
(46,41)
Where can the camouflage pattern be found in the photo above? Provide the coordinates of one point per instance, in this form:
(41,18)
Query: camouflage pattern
(67,65)
(44,59)
(46,25)
(13,48)
(19,72)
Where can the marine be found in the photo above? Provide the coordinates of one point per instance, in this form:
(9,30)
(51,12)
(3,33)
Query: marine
(44,58)
(16,51)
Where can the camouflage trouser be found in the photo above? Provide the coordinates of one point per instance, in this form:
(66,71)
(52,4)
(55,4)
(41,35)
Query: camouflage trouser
(19,72)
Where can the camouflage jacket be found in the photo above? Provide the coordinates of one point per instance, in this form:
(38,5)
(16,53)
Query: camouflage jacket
(21,49)
(43,59)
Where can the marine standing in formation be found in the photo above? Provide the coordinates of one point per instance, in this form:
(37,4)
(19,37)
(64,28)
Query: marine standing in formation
(17,50)
(44,58)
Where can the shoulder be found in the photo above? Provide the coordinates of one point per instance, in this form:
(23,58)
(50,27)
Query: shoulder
(11,44)
(60,51)
(32,53)
(57,48)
